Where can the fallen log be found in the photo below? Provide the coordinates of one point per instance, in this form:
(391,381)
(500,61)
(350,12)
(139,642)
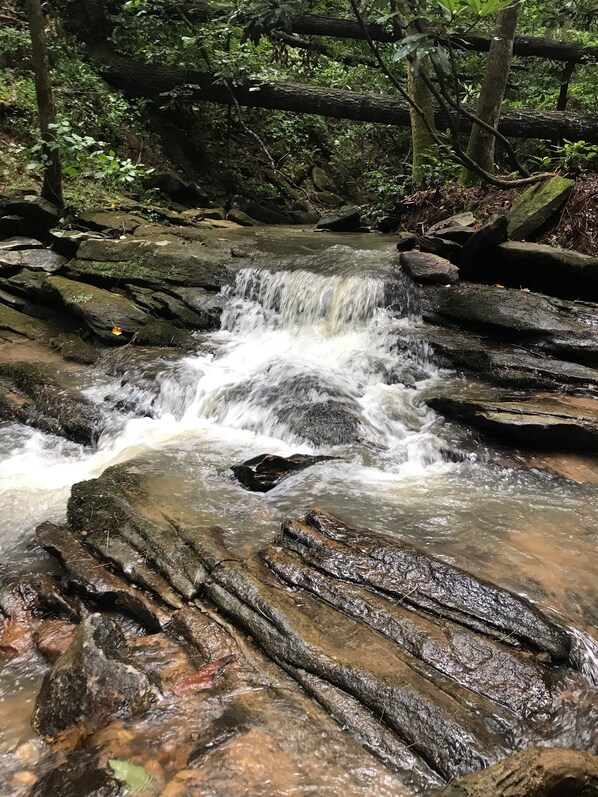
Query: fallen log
(141,79)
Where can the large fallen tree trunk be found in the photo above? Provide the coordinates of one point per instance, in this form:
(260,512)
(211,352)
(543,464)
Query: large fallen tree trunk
(333,27)
(141,79)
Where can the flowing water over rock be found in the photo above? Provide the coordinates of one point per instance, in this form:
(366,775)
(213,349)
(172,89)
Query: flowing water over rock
(318,353)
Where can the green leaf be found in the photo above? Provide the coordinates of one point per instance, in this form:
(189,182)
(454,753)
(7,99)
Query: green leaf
(136,777)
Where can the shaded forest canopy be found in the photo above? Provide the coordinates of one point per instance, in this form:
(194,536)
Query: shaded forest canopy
(347,62)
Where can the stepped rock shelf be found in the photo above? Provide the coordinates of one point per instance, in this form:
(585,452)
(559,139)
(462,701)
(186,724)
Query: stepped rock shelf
(317,655)
(434,672)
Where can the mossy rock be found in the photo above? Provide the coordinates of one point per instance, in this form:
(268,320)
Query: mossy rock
(152,262)
(110,316)
(535,206)
(73,349)
(32,328)
(321,181)
(163,333)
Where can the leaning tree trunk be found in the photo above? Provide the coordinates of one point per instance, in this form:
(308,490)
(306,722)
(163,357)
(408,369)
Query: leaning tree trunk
(482,143)
(52,185)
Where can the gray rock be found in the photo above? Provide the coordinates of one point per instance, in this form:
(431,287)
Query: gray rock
(406,241)
(534,207)
(492,233)
(466,220)
(67,242)
(549,269)
(19,242)
(90,685)
(30,395)
(541,420)
(435,245)
(322,181)
(426,267)
(566,329)
(507,365)
(111,221)
(242,218)
(152,262)
(35,208)
(34,259)
(458,234)
(346,220)
(110,316)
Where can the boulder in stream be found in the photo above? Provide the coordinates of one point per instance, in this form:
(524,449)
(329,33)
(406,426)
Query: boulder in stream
(267,471)
(428,267)
(90,684)
(109,315)
(344,220)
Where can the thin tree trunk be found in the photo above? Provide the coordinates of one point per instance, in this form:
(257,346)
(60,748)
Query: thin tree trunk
(422,141)
(482,143)
(568,72)
(52,185)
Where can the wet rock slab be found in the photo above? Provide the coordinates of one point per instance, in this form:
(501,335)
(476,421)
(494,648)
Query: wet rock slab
(542,420)
(429,671)
(565,329)
(90,684)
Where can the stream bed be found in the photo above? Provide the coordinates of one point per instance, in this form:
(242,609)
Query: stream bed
(317,354)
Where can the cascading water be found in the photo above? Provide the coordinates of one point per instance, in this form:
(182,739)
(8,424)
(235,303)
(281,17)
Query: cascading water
(316,353)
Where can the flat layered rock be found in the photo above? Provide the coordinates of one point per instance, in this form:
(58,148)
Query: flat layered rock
(21,324)
(543,420)
(152,262)
(505,364)
(566,329)
(35,259)
(30,395)
(549,269)
(421,580)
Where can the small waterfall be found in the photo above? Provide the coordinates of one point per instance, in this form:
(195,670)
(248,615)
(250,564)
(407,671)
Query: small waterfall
(317,362)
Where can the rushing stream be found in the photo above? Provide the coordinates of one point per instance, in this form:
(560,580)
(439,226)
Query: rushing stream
(317,353)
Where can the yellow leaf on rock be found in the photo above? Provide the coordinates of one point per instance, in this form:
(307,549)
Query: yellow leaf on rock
(117,331)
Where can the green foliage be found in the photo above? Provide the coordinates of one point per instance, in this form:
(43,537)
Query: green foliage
(480,8)
(84,156)
(135,777)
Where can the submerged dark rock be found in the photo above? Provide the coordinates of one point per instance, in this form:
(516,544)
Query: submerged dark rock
(424,581)
(80,776)
(267,471)
(90,684)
